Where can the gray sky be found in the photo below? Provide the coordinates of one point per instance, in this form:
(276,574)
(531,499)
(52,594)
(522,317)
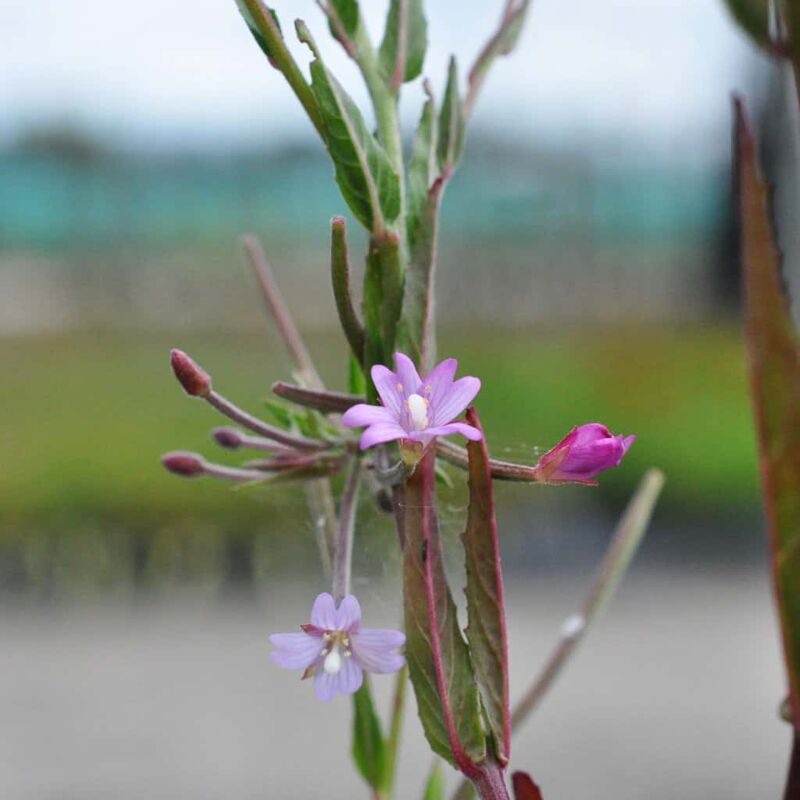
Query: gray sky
(161,73)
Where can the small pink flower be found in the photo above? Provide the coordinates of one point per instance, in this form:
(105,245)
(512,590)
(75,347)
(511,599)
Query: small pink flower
(336,650)
(586,451)
(413,409)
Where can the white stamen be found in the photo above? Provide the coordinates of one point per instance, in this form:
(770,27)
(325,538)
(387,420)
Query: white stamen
(333,662)
(418,411)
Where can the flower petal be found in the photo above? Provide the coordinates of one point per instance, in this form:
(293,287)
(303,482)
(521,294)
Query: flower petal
(374,648)
(360,415)
(295,650)
(380,433)
(627,442)
(439,381)
(386,383)
(591,432)
(588,460)
(325,685)
(473,434)
(323,612)
(460,395)
(348,615)
(407,374)
(351,675)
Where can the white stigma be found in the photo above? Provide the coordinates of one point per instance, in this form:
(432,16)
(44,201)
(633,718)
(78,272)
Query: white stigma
(418,411)
(333,661)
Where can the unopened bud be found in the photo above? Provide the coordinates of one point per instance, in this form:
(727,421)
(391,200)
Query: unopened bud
(189,465)
(228,438)
(194,379)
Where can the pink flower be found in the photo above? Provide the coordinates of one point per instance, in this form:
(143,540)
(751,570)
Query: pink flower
(336,650)
(583,453)
(413,409)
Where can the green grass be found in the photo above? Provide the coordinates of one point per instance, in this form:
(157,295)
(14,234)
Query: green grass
(87,416)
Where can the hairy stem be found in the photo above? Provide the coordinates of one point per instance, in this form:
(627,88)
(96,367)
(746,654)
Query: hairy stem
(282,60)
(343,553)
(395,729)
(233,412)
(306,372)
(624,544)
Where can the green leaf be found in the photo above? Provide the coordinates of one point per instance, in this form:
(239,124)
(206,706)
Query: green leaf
(251,24)
(434,786)
(364,173)
(356,382)
(437,655)
(342,292)
(451,122)
(486,628)
(383,299)
(281,415)
(774,356)
(404,41)
(424,194)
(347,14)
(752,17)
(422,168)
(369,747)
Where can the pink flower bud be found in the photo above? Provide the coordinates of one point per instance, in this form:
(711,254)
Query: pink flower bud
(189,465)
(228,438)
(194,379)
(585,452)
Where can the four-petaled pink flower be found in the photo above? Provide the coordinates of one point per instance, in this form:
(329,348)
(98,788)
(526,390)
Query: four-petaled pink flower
(414,410)
(583,453)
(336,650)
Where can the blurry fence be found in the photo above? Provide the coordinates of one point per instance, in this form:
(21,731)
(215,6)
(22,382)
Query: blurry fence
(149,241)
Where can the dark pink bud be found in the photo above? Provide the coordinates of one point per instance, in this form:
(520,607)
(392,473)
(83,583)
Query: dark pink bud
(585,452)
(229,438)
(189,465)
(194,379)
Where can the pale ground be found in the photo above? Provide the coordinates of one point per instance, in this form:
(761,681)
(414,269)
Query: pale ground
(673,696)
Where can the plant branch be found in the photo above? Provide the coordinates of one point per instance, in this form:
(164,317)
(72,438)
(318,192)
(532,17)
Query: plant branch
(233,412)
(502,42)
(343,553)
(282,60)
(342,293)
(306,372)
(624,544)
(395,729)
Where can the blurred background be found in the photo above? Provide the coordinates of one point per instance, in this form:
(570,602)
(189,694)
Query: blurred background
(588,272)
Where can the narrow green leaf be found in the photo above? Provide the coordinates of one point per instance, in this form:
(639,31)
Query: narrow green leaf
(503,41)
(369,747)
(405,40)
(486,628)
(774,356)
(347,14)
(422,168)
(342,292)
(281,415)
(752,17)
(424,194)
(356,382)
(437,655)
(373,328)
(434,787)
(451,122)
(364,173)
(257,34)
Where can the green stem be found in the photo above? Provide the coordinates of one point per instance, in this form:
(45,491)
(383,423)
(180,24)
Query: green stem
(395,730)
(383,101)
(283,61)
